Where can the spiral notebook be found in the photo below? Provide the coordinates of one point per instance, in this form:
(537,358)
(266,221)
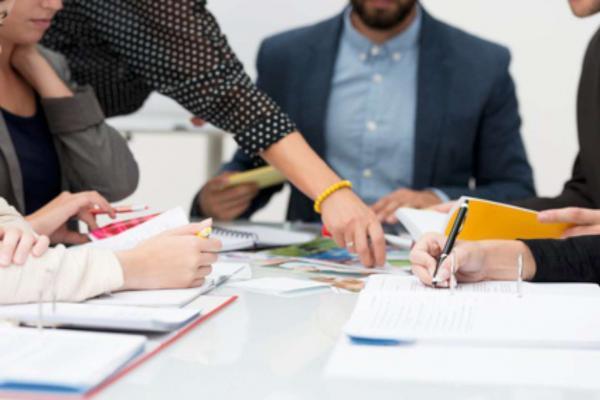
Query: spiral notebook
(256,236)
(233,239)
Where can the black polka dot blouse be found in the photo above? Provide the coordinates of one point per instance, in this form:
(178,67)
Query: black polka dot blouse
(126,49)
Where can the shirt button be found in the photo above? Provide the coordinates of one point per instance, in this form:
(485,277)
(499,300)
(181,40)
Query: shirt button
(367,173)
(371,126)
(362,56)
(375,50)
(377,78)
(397,56)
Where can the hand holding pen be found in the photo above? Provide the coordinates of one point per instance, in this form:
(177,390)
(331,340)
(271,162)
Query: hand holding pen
(468,259)
(503,260)
(430,256)
(449,245)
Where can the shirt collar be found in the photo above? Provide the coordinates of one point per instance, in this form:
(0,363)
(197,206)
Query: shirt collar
(403,41)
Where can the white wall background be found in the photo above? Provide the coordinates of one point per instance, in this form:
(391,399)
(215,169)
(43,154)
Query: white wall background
(547,45)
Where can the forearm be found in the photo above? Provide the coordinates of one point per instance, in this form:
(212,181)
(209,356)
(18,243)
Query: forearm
(570,260)
(9,216)
(67,275)
(500,260)
(301,165)
(38,72)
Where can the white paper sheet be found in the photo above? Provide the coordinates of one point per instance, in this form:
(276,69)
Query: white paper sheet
(73,359)
(279,286)
(398,283)
(174,297)
(442,317)
(420,222)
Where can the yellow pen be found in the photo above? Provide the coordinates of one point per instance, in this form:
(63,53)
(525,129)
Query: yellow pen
(204,233)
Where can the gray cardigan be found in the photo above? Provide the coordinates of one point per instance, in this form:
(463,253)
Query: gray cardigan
(92,155)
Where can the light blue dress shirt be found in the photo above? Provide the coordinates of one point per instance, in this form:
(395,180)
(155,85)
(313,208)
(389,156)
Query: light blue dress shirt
(370,124)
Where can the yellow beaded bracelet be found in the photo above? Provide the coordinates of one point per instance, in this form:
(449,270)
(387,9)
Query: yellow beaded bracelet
(328,192)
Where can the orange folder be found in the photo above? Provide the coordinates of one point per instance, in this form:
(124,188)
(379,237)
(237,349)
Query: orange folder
(490,220)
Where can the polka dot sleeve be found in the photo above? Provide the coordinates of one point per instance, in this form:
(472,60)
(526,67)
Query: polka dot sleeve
(127,49)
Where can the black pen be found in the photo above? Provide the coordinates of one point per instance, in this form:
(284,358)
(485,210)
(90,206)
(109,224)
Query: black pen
(454,232)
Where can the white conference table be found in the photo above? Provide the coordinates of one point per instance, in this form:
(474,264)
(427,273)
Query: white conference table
(275,348)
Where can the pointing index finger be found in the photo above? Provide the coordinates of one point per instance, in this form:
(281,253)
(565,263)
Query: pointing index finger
(377,243)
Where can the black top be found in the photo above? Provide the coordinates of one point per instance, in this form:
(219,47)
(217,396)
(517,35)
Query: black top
(40,167)
(571,260)
(127,49)
(576,259)
(583,189)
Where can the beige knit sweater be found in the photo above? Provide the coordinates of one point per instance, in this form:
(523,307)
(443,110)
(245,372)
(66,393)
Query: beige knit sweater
(68,274)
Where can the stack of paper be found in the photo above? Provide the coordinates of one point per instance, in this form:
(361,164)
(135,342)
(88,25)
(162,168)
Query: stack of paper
(62,361)
(482,334)
(476,319)
(401,309)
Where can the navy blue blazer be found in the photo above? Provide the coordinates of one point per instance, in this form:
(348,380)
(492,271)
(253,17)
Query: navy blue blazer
(467,139)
